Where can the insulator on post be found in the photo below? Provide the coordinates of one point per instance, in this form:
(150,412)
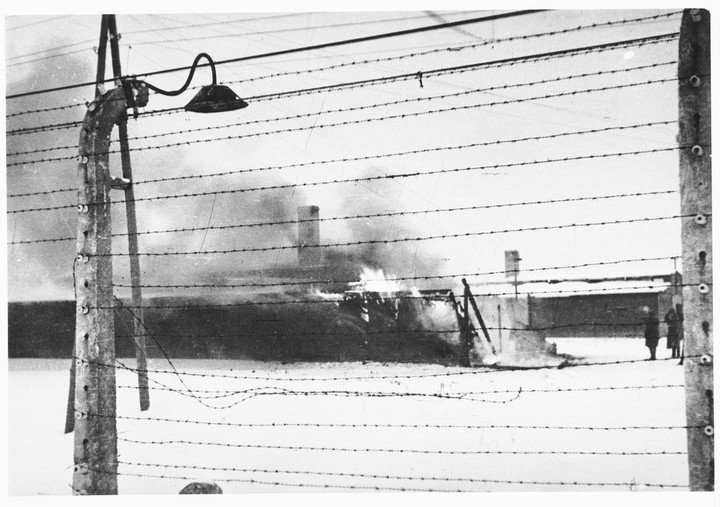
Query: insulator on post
(701,219)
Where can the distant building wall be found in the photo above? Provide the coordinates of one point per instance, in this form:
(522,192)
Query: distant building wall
(41,329)
(46,329)
(510,326)
(323,332)
(597,314)
(309,234)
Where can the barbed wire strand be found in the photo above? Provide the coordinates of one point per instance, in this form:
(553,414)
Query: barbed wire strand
(465,372)
(319,282)
(554,327)
(400,175)
(321,301)
(463,396)
(157,29)
(506,62)
(466,234)
(384,35)
(362,158)
(345,122)
(248,394)
(225,35)
(403,451)
(396,78)
(288,484)
(415,174)
(362,216)
(162,351)
(315,114)
(395,425)
(408,331)
(397,477)
(451,48)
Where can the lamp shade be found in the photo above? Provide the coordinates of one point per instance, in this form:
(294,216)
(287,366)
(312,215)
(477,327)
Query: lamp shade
(215,99)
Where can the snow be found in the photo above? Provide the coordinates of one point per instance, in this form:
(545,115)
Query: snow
(41,455)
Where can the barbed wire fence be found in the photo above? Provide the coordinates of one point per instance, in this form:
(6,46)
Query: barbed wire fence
(434,421)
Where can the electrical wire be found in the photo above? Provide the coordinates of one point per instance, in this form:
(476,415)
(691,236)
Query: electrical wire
(325,45)
(402,56)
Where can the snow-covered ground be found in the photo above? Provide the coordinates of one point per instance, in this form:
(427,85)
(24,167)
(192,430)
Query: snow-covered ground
(41,455)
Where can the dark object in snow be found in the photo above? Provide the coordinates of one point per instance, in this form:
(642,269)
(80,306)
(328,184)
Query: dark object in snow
(201,488)
(652,333)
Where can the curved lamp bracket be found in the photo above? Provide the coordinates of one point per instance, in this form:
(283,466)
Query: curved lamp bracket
(212,98)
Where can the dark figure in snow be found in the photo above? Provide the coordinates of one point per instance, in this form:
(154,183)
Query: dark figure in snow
(681,331)
(652,333)
(672,319)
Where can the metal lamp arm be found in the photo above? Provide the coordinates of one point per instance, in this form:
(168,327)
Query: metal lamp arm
(189,78)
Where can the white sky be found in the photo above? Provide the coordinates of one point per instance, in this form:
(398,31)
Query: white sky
(44,274)
(43,271)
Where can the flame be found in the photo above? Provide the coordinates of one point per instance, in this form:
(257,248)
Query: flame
(374,280)
(327,296)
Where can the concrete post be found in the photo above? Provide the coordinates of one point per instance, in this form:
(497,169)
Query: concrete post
(101,52)
(95,450)
(695,199)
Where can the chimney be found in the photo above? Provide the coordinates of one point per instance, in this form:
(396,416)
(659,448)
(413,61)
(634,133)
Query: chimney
(309,234)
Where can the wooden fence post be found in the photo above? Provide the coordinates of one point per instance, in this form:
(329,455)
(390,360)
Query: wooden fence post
(695,197)
(139,331)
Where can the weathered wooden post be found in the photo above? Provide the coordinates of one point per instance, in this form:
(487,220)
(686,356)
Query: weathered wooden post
(478,316)
(695,196)
(466,336)
(95,451)
(462,328)
(131,219)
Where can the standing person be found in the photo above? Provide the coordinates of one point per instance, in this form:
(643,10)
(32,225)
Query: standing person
(652,332)
(681,330)
(673,334)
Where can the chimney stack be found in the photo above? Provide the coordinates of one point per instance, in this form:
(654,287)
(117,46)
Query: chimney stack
(309,234)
